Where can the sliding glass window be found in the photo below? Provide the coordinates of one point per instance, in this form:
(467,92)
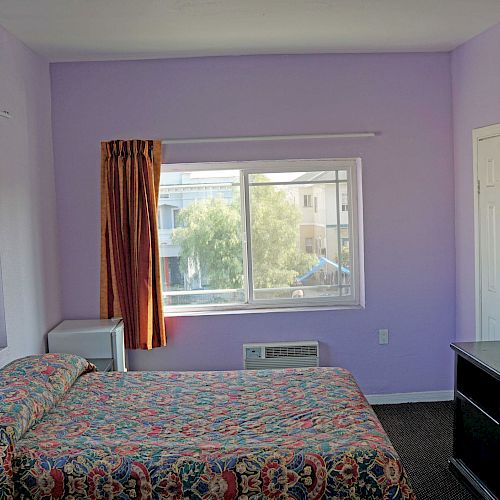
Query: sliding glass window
(249,235)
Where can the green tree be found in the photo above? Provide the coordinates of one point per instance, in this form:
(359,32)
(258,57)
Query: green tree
(210,236)
(277,259)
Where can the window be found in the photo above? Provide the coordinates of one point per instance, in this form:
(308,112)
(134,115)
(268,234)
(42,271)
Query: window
(309,245)
(175,217)
(319,246)
(164,217)
(345,206)
(243,237)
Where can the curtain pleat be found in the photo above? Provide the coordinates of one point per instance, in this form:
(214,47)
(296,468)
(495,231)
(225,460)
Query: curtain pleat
(130,256)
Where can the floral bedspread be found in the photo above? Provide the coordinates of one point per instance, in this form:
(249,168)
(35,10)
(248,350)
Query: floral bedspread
(281,434)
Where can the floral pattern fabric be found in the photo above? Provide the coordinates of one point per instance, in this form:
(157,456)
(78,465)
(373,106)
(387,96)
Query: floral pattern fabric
(30,387)
(281,434)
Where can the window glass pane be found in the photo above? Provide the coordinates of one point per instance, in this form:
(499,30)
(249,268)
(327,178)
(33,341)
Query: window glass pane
(289,176)
(298,252)
(200,238)
(300,239)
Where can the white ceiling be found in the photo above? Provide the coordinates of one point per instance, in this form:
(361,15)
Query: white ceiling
(69,30)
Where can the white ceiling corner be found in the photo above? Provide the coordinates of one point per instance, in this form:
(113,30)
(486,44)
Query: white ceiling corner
(71,30)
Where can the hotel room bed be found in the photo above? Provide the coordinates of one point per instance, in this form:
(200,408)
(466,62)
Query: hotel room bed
(67,431)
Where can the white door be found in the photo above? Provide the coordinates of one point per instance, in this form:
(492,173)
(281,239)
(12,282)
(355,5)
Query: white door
(488,164)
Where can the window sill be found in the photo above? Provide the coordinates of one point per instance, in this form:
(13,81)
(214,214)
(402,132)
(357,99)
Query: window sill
(259,310)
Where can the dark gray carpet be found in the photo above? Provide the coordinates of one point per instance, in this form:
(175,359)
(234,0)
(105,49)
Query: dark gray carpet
(422,436)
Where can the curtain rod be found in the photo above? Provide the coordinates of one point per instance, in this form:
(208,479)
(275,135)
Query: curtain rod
(255,138)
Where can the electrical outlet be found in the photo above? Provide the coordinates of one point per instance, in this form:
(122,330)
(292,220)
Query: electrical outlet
(383,337)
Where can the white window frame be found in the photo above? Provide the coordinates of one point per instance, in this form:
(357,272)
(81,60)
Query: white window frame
(246,168)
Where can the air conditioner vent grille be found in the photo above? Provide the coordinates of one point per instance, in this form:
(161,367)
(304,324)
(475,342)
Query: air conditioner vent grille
(271,355)
(291,351)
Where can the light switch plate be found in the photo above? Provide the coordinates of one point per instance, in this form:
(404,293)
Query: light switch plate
(383,337)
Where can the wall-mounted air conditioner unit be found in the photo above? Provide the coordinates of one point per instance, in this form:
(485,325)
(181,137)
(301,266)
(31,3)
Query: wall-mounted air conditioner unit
(280,355)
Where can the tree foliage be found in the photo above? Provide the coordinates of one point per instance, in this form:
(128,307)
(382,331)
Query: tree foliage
(210,236)
(277,259)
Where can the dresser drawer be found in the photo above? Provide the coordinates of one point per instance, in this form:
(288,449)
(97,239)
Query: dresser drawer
(479,386)
(477,443)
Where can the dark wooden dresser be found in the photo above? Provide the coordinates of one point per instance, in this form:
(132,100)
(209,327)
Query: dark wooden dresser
(476,434)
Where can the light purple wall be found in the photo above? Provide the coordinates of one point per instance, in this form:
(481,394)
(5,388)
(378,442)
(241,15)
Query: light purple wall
(476,103)
(28,239)
(407,184)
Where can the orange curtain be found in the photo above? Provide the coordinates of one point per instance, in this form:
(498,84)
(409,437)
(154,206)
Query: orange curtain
(130,256)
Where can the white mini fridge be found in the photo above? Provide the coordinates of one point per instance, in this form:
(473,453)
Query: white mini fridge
(98,340)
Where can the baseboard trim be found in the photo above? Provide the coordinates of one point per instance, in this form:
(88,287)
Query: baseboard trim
(409,397)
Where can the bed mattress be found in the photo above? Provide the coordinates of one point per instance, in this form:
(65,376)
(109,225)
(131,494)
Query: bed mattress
(294,433)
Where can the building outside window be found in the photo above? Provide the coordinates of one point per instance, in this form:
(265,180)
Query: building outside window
(238,238)
(309,245)
(345,206)
(175,217)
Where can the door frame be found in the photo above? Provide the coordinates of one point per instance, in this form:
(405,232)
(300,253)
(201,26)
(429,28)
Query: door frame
(478,135)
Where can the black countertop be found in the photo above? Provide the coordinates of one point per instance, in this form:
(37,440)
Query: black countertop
(486,354)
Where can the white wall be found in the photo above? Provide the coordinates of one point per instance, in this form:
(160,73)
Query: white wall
(28,236)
